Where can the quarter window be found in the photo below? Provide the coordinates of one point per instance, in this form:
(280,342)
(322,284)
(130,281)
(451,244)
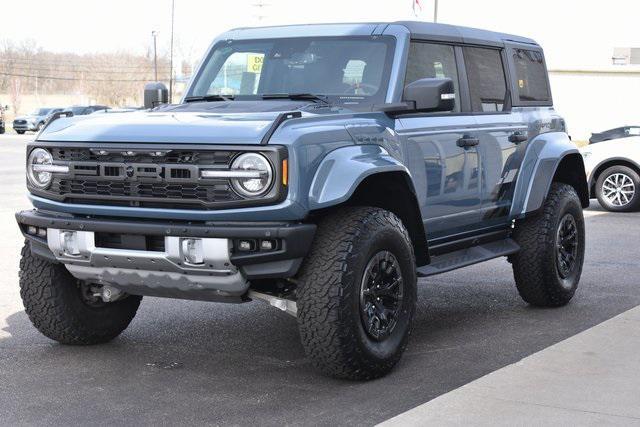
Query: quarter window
(487,84)
(531,75)
(429,60)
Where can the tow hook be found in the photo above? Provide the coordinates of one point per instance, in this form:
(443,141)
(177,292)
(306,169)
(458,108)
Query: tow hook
(286,305)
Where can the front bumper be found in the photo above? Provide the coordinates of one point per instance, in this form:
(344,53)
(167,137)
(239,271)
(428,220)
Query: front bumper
(225,272)
(24,127)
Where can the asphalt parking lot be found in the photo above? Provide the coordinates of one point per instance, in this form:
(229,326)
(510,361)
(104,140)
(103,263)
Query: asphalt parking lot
(183,362)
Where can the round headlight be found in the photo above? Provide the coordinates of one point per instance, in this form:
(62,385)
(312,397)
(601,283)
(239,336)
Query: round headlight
(39,156)
(252,187)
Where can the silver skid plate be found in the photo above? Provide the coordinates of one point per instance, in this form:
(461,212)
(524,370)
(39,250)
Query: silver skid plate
(152,272)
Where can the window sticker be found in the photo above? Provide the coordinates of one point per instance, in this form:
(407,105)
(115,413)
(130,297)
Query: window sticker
(254,62)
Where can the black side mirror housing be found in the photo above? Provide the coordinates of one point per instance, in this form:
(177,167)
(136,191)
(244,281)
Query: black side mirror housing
(431,94)
(155,94)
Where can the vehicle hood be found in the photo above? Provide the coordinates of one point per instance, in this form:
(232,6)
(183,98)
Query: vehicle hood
(198,123)
(27,117)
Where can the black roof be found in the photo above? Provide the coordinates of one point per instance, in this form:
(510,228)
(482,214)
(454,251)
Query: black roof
(429,31)
(459,34)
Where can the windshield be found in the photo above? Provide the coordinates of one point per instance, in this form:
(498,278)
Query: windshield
(76,110)
(344,69)
(41,112)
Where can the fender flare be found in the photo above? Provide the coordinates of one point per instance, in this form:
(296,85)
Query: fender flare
(342,170)
(538,169)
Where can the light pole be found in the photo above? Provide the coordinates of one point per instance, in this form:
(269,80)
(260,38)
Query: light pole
(435,11)
(154,34)
(173,9)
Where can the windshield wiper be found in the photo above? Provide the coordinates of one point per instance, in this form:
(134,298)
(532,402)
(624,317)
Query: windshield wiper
(209,98)
(297,96)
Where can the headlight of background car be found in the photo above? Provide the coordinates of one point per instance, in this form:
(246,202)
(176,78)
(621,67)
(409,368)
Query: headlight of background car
(39,156)
(252,187)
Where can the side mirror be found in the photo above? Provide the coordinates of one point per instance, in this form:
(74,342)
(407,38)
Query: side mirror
(155,94)
(431,94)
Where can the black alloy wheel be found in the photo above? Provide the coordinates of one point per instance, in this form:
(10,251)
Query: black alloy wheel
(381,295)
(567,246)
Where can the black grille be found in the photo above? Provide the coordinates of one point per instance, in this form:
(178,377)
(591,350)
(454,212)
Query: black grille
(214,192)
(140,176)
(191,157)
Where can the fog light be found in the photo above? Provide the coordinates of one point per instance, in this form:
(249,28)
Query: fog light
(267,245)
(246,245)
(69,243)
(192,252)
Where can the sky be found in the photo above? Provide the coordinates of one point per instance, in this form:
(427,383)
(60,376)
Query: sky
(575,34)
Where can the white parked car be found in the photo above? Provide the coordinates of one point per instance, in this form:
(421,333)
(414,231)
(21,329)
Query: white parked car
(613,173)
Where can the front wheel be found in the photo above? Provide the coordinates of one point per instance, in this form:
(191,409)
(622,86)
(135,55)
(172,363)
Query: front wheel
(65,309)
(20,132)
(548,266)
(357,294)
(618,189)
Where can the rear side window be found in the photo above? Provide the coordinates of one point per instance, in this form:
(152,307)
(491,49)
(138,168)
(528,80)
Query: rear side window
(429,60)
(531,75)
(487,84)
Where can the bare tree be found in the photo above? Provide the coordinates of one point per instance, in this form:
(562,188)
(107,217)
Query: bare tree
(15,93)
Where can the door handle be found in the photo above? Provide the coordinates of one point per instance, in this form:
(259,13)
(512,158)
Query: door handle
(518,137)
(468,141)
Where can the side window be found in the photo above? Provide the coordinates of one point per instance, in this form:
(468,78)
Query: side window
(487,84)
(239,75)
(531,75)
(429,60)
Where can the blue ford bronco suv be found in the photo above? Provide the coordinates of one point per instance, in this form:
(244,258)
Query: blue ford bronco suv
(320,168)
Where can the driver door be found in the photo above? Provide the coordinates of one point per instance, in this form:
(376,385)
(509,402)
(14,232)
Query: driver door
(446,171)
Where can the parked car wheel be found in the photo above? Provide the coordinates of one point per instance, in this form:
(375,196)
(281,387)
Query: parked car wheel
(64,309)
(357,294)
(20,132)
(618,189)
(548,266)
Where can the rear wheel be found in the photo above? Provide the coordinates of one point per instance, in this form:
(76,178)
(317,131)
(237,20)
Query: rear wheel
(548,266)
(618,189)
(20,132)
(67,310)
(357,294)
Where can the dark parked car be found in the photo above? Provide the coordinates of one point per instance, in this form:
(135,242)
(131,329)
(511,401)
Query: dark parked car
(615,133)
(34,121)
(2,122)
(82,110)
(321,168)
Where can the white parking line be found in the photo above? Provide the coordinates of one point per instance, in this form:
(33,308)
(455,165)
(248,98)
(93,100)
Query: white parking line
(589,379)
